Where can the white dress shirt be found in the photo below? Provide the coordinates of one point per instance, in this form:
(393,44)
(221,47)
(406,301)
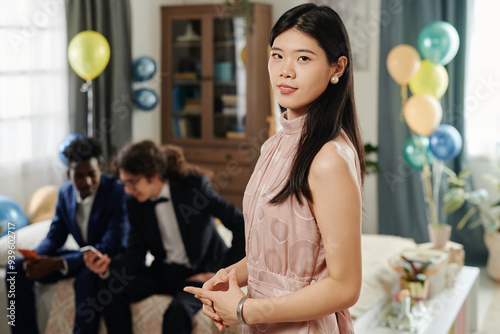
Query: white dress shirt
(82,215)
(169,229)
(83,208)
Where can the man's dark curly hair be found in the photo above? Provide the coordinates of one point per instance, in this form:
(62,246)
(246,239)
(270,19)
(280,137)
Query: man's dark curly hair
(146,158)
(142,158)
(84,149)
(178,167)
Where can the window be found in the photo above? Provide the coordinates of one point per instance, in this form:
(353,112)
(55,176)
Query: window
(33,92)
(482,102)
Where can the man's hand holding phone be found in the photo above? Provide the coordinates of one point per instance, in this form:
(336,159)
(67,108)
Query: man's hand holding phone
(28,253)
(94,260)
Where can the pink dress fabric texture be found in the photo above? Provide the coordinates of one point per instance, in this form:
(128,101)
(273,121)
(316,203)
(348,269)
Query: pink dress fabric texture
(284,248)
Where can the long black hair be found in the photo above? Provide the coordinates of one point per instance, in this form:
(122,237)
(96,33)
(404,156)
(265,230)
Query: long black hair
(333,110)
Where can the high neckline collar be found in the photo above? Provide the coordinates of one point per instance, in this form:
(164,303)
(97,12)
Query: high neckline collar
(292,126)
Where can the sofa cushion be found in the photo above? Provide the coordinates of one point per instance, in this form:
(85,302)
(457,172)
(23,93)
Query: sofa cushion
(30,237)
(147,314)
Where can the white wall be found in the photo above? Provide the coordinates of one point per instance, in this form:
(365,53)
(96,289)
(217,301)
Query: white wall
(366,94)
(146,41)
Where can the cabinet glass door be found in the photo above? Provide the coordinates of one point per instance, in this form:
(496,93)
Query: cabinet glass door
(229,78)
(186,79)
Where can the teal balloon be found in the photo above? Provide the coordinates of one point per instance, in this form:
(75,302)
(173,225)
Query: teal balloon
(414,152)
(12,217)
(438,42)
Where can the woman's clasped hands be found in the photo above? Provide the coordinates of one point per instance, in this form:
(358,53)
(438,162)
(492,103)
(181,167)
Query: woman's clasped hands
(220,296)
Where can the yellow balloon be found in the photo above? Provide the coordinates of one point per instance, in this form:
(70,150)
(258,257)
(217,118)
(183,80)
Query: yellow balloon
(88,54)
(430,79)
(423,114)
(403,63)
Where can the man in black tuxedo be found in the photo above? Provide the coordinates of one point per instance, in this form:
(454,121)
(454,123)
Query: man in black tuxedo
(171,213)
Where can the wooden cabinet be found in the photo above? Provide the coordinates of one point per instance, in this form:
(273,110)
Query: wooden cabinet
(215,89)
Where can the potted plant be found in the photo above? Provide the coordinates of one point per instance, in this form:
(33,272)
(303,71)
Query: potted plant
(415,266)
(239,8)
(487,213)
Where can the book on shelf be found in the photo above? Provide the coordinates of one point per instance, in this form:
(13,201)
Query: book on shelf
(185,75)
(182,128)
(229,100)
(235,135)
(229,111)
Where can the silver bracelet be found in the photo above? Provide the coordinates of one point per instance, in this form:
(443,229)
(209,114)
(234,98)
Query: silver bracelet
(239,310)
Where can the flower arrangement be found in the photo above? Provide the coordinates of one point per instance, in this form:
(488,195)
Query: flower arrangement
(416,265)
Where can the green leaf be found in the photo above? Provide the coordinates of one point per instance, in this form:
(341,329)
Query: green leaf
(465,173)
(475,223)
(493,180)
(466,218)
(495,204)
(456,182)
(477,197)
(453,200)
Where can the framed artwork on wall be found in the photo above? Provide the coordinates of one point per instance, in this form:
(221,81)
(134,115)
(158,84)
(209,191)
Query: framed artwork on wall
(362,30)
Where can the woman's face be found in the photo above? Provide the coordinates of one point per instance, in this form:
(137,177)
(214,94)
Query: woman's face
(299,71)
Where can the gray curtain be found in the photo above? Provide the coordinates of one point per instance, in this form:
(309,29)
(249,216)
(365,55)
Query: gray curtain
(402,210)
(112,88)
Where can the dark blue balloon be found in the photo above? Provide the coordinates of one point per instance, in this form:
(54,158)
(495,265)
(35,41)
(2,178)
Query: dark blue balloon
(445,142)
(144,99)
(12,217)
(143,69)
(63,145)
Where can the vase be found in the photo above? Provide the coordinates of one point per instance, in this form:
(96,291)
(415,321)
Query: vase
(492,241)
(418,290)
(439,235)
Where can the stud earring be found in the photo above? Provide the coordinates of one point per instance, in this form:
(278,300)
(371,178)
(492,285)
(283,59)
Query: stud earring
(334,80)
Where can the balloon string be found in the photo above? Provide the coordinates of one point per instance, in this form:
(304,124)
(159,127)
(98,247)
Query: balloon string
(404,98)
(426,180)
(90,109)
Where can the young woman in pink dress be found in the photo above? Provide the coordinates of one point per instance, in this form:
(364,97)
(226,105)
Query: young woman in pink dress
(302,205)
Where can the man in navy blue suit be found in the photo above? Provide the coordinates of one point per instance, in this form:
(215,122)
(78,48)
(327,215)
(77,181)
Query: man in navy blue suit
(171,213)
(91,207)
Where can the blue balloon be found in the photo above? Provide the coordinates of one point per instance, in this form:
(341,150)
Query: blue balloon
(12,217)
(144,99)
(143,69)
(445,142)
(438,42)
(63,145)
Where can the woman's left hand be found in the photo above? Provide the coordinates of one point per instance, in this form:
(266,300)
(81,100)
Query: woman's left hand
(224,302)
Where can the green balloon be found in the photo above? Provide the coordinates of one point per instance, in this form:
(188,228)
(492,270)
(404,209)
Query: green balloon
(438,42)
(413,153)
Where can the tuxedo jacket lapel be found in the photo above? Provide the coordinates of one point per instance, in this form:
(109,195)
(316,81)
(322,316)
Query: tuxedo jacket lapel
(177,195)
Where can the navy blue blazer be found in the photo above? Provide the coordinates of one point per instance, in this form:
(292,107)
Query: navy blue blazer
(107,229)
(195,204)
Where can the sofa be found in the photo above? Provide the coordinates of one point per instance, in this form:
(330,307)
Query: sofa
(55,302)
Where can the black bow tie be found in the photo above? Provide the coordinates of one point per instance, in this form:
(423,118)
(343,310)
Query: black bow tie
(160,200)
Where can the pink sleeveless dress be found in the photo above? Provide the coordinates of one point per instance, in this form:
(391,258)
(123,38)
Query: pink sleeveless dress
(284,248)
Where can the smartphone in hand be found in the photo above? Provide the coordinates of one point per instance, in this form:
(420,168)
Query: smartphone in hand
(91,249)
(28,253)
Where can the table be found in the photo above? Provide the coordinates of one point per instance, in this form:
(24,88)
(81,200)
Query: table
(454,310)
